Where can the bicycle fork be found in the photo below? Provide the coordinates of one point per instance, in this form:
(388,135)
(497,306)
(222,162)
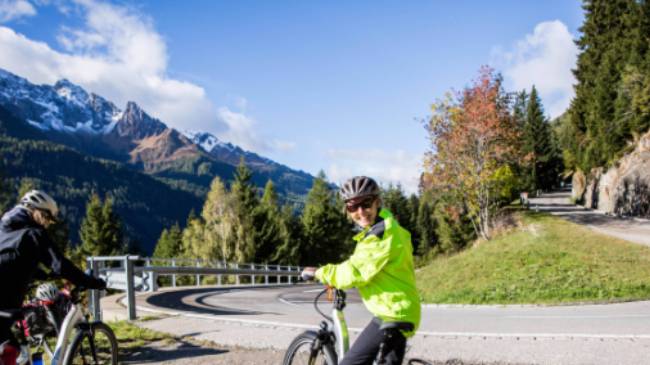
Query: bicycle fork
(341,331)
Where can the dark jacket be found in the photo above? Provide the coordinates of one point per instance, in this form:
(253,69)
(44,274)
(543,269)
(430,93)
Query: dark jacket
(23,245)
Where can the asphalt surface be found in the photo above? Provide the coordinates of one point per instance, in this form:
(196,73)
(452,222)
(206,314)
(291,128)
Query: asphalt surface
(559,204)
(271,317)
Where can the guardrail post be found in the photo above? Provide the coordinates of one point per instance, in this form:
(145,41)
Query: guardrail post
(130,291)
(236,275)
(219,275)
(266,277)
(95,295)
(290,276)
(152,278)
(198,276)
(253,276)
(173,275)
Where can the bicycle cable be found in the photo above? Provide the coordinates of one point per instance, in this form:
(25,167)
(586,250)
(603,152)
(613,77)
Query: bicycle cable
(316,305)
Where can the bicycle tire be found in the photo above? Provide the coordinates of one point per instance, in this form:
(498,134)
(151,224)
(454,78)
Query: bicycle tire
(90,351)
(305,350)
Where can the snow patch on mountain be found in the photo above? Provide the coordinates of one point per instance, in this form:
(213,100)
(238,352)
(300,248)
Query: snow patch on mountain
(206,141)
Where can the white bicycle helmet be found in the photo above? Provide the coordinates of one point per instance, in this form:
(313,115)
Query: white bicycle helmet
(36,199)
(46,291)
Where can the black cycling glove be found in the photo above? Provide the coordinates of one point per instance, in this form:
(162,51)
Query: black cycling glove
(95,283)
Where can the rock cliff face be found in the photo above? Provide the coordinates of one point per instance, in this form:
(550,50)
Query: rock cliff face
(624,189)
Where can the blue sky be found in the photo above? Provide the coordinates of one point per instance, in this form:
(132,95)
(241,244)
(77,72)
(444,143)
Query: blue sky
(332,85)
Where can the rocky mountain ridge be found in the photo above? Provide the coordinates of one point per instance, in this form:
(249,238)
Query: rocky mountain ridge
(68,114)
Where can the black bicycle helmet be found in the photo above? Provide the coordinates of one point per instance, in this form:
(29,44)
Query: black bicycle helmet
(359,186)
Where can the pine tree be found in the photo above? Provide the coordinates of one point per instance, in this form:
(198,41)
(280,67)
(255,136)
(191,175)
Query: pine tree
(269,232)
(245,206)
(539,147)
(519,108)
(288,252)
(426,227)
(326,231)
(170,243)
(101,229)
(395,201)
(613,45)
(412,226)
(6,193)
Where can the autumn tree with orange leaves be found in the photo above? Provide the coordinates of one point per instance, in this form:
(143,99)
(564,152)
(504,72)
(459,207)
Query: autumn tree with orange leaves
(474,141)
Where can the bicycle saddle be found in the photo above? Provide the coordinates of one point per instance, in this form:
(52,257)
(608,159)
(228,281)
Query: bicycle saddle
(402,326)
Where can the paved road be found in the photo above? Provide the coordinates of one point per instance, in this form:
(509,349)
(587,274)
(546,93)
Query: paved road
(271,317)
(633,230)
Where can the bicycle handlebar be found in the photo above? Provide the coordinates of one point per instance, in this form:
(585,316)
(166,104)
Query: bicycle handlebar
(13,314)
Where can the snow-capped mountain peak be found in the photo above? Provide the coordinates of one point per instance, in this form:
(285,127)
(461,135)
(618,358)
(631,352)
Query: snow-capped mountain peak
(71,92)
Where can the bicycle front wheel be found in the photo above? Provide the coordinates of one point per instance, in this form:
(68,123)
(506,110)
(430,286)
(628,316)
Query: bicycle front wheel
(306,349)
(94,345)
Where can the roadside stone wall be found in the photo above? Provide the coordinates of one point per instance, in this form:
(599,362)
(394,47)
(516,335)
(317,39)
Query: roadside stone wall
(590,199)
(578,186)
(624,189)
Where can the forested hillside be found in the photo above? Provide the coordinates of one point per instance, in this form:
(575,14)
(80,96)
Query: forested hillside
(612,103)
(145,204)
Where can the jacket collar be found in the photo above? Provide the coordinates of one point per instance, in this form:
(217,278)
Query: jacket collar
(381,216)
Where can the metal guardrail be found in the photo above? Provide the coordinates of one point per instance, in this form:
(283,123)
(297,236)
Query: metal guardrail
(131,273)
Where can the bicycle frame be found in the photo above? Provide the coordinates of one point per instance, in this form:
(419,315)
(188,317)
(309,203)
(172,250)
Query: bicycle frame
(336,325)
(340,329)
(73,318)
(70,322)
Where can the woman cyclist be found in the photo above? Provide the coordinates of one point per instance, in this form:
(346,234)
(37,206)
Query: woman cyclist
(381,267)
(24,243)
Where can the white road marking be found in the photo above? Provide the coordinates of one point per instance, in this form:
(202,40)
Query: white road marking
(582,317)
(491,335)
(288,302)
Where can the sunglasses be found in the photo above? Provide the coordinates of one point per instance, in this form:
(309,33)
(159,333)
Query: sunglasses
(364,204)
(49,217)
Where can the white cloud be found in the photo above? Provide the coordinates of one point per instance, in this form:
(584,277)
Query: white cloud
(395,166)
(240,129)
(117,54)
(545,59)
(15,9)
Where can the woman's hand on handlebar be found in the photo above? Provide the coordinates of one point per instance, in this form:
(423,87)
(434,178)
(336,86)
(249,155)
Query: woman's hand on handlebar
(308,273)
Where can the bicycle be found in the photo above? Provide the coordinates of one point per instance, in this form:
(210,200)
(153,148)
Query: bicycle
(78,340)
(332,340)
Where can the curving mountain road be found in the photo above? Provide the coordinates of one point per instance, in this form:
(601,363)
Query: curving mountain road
(271,317)
(559,204)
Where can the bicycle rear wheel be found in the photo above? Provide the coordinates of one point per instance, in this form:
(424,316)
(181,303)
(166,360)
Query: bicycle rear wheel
(306,349)
(94,345)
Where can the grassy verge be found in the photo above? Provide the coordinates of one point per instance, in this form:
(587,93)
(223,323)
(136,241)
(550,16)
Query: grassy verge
(546,260)
(129,336)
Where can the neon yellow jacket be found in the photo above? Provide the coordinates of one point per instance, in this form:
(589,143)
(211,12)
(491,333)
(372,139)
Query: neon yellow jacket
(381,267)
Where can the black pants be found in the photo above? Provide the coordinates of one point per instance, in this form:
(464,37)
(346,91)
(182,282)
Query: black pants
(365,348)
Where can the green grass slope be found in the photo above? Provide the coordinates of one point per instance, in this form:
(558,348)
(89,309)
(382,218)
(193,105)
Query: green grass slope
(545,260)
